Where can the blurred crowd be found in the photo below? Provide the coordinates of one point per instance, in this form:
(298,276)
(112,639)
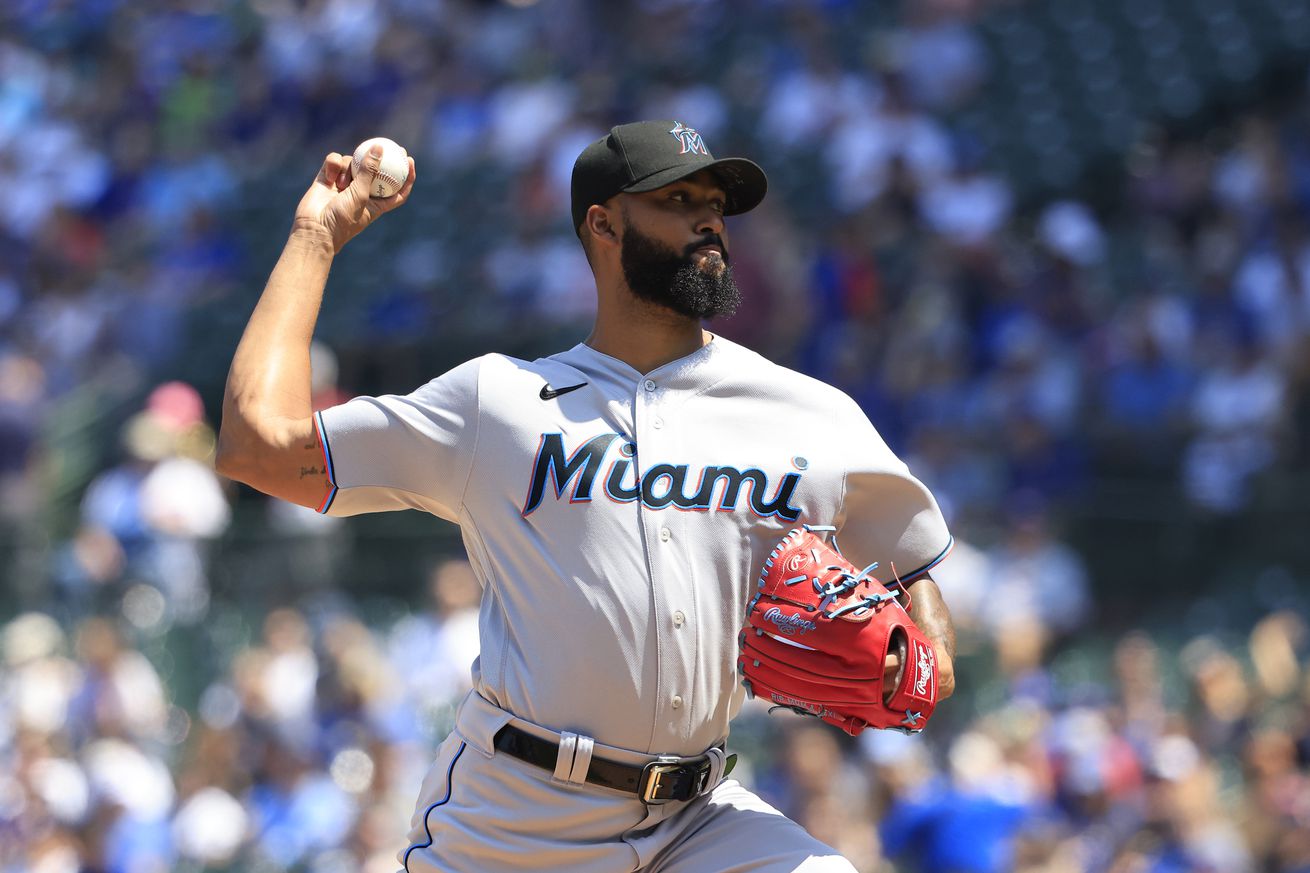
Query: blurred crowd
(1003,350)
(312,731)
(303,751)
(1018,355)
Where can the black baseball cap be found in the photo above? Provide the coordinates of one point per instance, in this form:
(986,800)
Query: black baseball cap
(646,155)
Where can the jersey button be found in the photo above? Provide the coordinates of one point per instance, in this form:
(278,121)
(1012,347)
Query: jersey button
(649,385)
(665,534)
(678,618)
(657,423)
(677,701)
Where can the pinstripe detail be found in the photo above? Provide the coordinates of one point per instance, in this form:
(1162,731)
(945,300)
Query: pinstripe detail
(450,772)
(327,464)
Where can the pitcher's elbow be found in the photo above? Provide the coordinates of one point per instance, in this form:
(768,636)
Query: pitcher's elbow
(226,466)
(230,460)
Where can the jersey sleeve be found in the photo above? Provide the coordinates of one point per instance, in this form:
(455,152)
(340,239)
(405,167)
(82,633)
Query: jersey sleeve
(887,514)
(403,452)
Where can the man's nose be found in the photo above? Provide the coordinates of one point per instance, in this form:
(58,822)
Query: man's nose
(710,221)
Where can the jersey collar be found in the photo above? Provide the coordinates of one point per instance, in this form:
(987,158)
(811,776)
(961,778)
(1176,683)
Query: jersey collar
(706,365)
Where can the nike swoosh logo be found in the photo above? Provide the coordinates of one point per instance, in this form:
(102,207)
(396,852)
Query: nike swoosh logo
(549,393)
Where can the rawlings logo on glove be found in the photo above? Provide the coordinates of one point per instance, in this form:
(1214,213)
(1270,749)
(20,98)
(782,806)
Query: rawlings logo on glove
(818,634)
(789,624)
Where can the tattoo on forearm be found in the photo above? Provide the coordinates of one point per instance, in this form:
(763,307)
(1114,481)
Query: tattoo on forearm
(310,471)
(931,615)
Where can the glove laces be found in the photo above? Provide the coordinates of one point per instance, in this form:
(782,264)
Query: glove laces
(846,582)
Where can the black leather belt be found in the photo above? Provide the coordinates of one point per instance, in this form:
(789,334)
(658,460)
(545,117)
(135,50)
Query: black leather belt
(660,781)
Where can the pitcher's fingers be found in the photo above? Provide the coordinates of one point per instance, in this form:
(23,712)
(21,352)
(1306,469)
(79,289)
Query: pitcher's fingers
(343,174)
(368,169)
(327,174)
(891,675)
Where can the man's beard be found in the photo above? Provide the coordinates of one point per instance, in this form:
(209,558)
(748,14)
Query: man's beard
(657,273)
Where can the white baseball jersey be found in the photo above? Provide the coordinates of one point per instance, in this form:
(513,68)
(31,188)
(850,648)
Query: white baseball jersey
(618,521)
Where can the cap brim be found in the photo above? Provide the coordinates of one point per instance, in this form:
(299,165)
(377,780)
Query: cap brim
(744,183)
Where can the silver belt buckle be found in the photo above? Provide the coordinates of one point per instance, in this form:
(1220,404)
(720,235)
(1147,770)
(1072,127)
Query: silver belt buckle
(654,773)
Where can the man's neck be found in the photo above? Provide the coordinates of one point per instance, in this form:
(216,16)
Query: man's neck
(646,336)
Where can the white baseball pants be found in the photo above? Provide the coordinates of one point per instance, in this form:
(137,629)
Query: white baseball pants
(484,812)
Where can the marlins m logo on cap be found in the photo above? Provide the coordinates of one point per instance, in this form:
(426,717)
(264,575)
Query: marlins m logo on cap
(691,141)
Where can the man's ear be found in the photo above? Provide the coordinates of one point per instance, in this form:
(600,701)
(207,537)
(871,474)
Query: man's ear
(598,223)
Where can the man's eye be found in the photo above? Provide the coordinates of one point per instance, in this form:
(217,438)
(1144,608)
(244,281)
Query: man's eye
(718,206)
(680,196)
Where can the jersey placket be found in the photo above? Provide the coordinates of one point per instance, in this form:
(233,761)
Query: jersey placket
(671,585)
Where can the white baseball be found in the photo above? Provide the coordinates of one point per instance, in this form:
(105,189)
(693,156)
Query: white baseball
(392,171)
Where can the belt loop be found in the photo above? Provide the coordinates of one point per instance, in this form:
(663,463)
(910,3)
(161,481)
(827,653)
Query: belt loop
(718,762)
(568,744)
(581,760)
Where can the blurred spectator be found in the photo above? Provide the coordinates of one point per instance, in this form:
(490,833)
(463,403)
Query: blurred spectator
(966,822)
(872,142)
(1237,410)
(210,828)
(814,785)
(161,506)
(1278,645)
(1273,825)
(434,651)
(1036,589)
(1145,393)
(1221,695)
(39,680)
(940,54)
(22,391)
(1185,812)
(286,671)
(121,694)
(967,207)
(1143,710)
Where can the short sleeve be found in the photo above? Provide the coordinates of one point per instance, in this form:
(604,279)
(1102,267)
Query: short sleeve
(887,514)
(403,452)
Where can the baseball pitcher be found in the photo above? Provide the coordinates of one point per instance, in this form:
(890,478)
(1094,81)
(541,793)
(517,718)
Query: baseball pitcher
(652,515)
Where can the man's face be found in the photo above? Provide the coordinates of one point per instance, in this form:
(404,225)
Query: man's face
(674,250)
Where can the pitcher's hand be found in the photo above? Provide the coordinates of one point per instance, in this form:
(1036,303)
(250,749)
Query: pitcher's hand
(338,203)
